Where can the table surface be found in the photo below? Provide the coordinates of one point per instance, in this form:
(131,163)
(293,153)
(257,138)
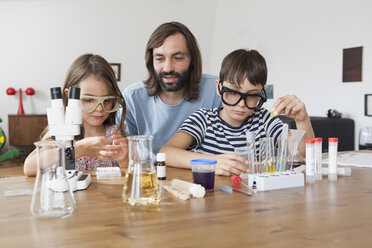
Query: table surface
(324,214)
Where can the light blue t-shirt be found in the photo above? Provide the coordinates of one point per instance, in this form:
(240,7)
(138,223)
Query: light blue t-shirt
(151,116)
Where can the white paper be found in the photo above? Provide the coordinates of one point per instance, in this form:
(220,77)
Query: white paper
(17,192)
(354,159)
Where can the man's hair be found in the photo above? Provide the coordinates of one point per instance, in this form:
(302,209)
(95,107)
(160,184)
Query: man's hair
(241,64)
(192,87)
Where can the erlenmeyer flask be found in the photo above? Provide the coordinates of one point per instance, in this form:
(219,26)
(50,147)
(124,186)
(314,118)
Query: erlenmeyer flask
(141,185)
(52,196)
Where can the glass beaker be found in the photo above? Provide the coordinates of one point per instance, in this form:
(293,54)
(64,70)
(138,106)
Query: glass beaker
(295,158)
(141,185)
(267,155)
(52,196)
(365,138)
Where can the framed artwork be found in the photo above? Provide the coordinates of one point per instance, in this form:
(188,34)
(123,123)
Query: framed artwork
(270,91)
(368,104)
(117,68)
(352,64)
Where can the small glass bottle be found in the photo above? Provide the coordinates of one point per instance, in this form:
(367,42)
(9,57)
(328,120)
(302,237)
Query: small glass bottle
(332,159)
(310,166)
(161,168)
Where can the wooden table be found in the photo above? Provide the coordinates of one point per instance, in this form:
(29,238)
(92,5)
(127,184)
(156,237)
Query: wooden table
(325,214)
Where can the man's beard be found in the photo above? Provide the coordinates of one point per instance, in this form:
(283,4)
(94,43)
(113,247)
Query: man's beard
(183,78)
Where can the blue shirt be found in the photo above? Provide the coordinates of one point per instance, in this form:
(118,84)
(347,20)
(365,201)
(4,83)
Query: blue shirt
(151,116)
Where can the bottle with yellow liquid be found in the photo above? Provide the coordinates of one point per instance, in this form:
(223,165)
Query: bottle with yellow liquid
(141,185)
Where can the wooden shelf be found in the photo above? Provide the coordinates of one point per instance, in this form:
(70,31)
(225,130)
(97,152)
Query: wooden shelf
(24,130)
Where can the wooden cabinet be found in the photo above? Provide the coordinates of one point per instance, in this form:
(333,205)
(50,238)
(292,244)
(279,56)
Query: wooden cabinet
(24,130)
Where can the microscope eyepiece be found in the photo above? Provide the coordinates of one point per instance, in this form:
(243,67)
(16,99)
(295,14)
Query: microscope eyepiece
(74,93)
(56,93)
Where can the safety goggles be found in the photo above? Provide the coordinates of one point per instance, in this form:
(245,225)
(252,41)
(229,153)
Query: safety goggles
(90,103)
(232,97)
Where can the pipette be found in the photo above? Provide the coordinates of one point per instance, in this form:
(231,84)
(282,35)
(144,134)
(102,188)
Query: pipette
(230,190)
(237,181)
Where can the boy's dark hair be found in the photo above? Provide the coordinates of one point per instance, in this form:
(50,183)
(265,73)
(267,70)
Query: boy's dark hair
(195,69)
(241,64)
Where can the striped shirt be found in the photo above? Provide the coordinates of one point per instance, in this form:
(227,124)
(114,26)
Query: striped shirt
(214,136)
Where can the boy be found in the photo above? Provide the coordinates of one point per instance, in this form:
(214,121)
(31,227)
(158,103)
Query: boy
(216,133)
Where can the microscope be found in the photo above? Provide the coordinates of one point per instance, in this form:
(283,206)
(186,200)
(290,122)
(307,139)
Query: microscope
(65,127)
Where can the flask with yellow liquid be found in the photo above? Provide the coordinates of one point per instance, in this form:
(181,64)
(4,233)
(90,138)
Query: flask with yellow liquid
(141,185)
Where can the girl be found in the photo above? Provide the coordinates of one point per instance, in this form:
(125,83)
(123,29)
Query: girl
(104,143)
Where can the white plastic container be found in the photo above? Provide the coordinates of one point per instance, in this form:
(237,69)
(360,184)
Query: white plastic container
(310,163)
(332,159)
(318,158)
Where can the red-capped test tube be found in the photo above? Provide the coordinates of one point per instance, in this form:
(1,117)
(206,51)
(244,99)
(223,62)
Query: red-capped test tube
(310,161)
(318,158)
(332,159)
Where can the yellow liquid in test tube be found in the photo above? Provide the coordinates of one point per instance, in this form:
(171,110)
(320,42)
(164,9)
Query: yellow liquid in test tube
(270,167)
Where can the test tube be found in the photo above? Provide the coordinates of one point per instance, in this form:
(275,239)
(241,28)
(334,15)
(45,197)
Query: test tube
(267,155)
(281,162)
(310,176)
(332,159)
(318,158)
(251,143)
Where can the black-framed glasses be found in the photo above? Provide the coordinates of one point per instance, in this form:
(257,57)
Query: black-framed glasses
(232,97)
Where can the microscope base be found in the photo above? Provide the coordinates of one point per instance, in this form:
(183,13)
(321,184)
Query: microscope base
(78,180)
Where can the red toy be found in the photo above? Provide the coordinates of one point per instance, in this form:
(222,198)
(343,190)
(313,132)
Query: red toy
(12,91)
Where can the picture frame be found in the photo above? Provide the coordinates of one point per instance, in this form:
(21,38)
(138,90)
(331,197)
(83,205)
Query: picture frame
(368,104)
(352,64)
(270,91)
(117,70)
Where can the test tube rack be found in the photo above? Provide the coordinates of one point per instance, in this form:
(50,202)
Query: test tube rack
(272,181)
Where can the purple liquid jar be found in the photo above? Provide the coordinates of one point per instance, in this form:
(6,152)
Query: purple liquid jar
(203,172)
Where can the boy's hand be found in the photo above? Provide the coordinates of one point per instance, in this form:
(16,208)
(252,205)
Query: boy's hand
(230,164)
(292,107)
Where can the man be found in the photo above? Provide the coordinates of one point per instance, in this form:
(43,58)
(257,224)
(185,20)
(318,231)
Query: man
(174,89)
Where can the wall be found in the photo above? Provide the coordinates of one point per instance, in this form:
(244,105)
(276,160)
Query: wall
(302,42)
(40,39)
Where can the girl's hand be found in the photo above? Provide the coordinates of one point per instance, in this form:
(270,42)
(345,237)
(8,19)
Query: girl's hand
(118,149)
(230,164)
(91,147)
(292,107)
